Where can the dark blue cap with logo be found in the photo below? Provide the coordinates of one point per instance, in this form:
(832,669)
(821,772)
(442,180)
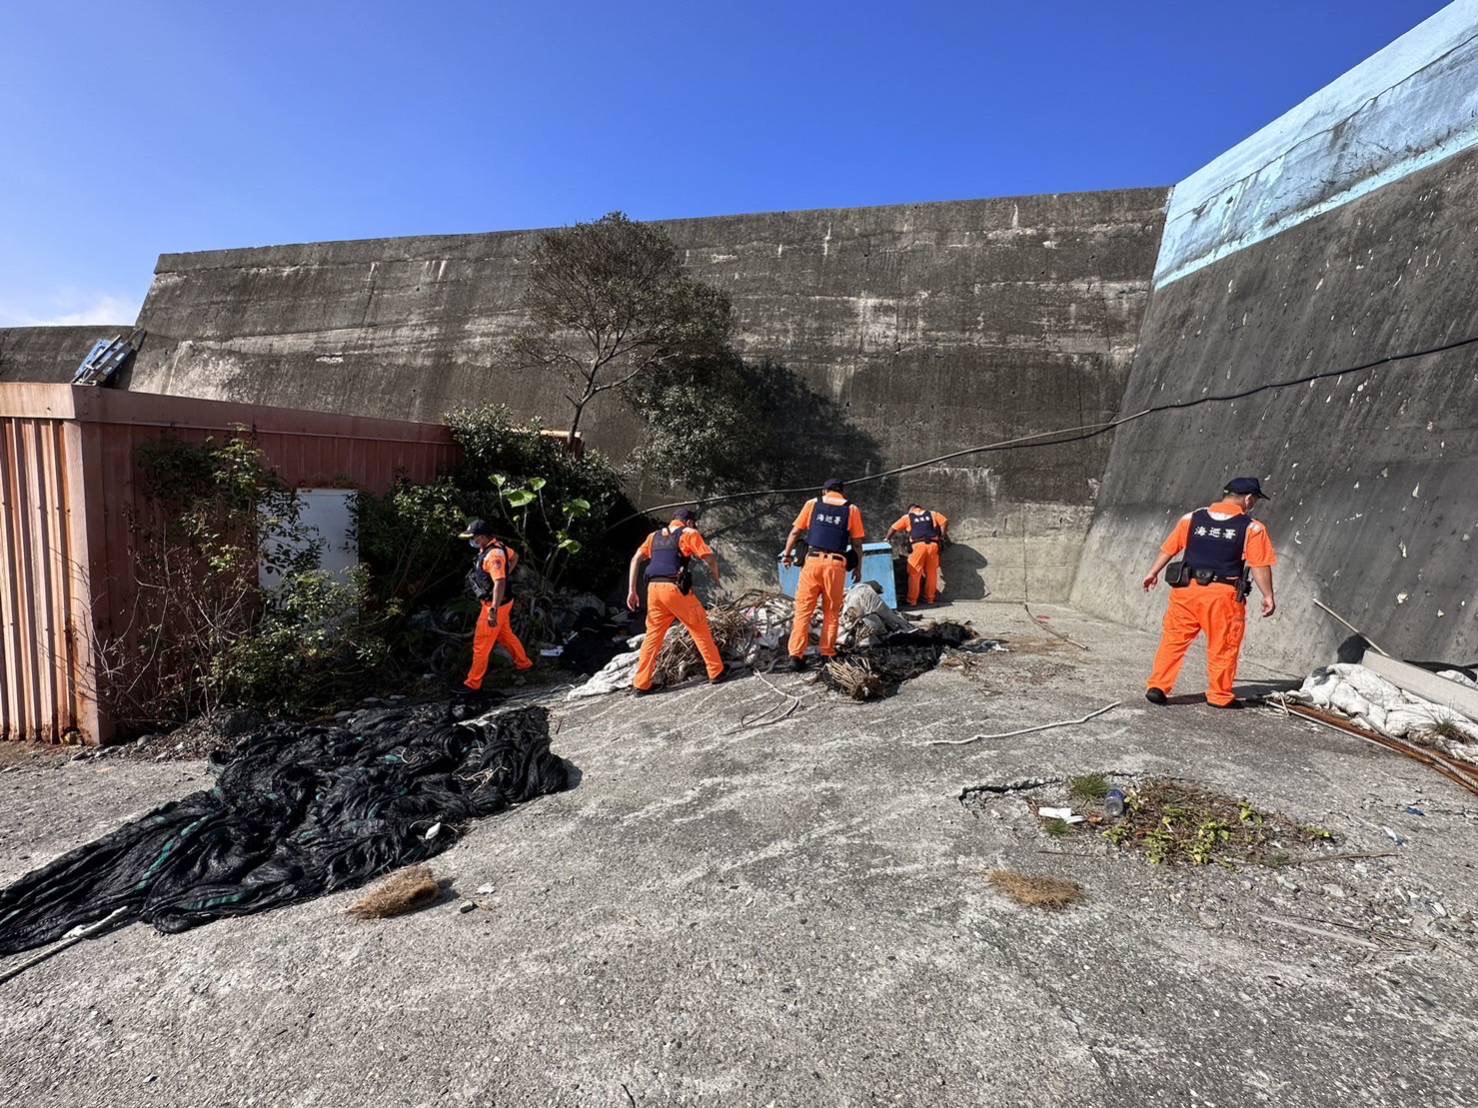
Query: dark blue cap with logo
(476,527)
(831,484)
(1244,486)
(687,515)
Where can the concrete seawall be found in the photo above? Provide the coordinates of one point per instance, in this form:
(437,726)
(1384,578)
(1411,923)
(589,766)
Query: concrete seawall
(49,355)
(1374,475)
(922,328)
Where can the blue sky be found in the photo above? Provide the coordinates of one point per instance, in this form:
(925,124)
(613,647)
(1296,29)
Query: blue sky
(130,129)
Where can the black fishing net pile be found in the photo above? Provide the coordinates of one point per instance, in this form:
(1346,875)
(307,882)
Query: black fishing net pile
(900,657)
(297,811)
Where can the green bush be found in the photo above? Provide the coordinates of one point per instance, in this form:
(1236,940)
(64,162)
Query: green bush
(552,505)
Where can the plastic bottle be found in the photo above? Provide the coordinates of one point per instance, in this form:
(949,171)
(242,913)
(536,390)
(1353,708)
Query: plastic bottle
(1113,803)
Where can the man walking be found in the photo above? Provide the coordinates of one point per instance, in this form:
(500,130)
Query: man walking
(927,532)
(668,554)
(490,582)
(830,525)
(1223,546)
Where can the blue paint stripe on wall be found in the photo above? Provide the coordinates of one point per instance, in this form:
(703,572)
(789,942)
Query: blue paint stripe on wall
(1411,105)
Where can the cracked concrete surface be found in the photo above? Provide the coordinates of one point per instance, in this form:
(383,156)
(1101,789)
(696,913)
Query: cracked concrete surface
(797,914)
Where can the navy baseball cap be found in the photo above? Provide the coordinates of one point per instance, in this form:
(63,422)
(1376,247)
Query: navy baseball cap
(476,527)
(687,515)
(831,484)
(1243,486)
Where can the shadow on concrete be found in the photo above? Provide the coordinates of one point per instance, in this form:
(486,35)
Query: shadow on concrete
(798,438)
(964,572)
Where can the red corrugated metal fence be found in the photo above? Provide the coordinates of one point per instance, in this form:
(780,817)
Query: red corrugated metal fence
(68,488)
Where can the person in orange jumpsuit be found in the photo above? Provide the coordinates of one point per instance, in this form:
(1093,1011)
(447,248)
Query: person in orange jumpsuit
(829,524)
(668,553)
(1217,543)
(489,580)
(928,532)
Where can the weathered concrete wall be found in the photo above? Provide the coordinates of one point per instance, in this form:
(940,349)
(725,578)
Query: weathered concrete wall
(1374,475)
(49,355)
(925,328)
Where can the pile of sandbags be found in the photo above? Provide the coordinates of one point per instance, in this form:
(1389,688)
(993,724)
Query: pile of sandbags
(1371,701)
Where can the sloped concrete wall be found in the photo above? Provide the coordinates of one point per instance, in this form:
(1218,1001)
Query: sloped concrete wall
(1374,475)
(49,355)
(925,328)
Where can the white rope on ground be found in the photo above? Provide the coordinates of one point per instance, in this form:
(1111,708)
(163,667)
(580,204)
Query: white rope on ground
(1024,730)
(71,938)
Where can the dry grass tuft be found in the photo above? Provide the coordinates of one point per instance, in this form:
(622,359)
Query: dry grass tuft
(410,890)
(1035,891)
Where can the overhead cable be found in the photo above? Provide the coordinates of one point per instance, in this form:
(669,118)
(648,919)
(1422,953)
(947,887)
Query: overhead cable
(1063,436)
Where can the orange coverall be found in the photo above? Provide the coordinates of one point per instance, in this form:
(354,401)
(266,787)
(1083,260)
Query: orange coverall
(665,603)
(923,560)
(497,562)
(1212,608)
(823,578)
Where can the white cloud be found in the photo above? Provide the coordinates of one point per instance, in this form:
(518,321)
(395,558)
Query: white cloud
(72,310)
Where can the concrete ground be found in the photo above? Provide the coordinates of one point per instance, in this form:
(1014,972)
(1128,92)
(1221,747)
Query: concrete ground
(798,914)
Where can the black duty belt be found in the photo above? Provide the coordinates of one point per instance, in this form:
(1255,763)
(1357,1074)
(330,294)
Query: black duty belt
(826,554)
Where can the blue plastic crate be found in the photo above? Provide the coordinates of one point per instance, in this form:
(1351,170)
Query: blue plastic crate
(877,565)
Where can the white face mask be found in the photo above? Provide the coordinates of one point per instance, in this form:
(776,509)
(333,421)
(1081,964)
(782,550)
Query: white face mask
(474,544)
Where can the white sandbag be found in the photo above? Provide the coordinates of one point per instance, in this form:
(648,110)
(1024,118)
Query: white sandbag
(1346,700)
(1373,688)
(616,675)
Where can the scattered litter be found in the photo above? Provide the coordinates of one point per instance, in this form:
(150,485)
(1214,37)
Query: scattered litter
(296,811)
(1067,815)
(1413,810)
(432,832)
(877,671)
(1171,821)
(1395,838)
(1034,890)
(410,890)
(551,652)
(467,906)
(485,890)
(866,617)
(1113,803)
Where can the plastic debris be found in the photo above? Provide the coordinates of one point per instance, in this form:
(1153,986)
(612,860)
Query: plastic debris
(1067,815)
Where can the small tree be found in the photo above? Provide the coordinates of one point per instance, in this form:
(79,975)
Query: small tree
(608,302)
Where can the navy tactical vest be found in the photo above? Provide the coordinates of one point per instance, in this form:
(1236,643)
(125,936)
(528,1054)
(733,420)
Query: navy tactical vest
(922,528)
(828,531)
(1216,544)
(668,560)
(481,582)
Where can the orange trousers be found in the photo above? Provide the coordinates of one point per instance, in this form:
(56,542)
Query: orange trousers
(485,638)
(666,604)
(923,569)
(823,579)
(1215,610)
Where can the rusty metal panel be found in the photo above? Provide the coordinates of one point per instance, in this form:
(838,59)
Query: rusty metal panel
(39,695)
